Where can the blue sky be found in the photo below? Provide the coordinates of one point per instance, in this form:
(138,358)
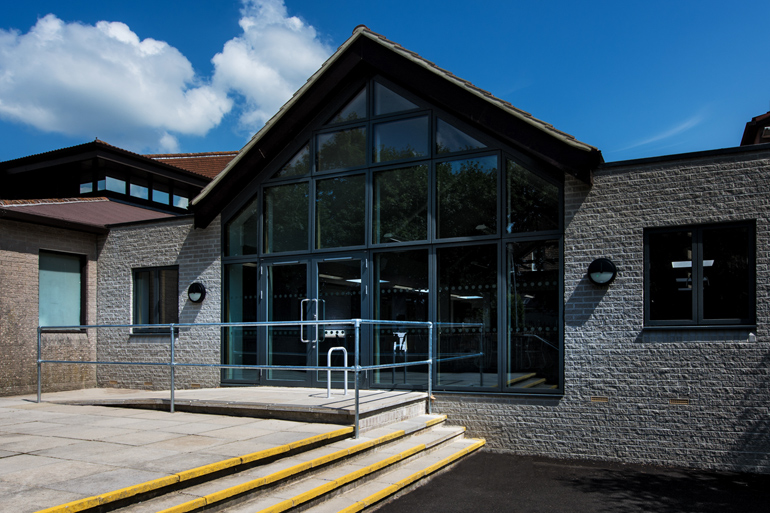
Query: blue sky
(635,79)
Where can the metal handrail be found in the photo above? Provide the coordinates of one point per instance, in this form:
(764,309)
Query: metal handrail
(172,364)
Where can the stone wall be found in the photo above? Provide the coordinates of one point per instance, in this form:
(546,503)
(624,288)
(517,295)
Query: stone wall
(197,254)
(20,245)
(645,376)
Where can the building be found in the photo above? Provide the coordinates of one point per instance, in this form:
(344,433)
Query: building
(389,189)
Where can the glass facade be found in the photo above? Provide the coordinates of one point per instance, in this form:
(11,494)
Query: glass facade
(393,211)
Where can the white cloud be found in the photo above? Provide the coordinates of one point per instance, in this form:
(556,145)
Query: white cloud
(103,81)
(269,61)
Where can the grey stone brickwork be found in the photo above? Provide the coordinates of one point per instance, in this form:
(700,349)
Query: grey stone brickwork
(197,254)
(20,245)
(724,377)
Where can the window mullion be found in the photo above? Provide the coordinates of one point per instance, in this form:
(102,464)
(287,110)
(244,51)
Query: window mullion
(697,276)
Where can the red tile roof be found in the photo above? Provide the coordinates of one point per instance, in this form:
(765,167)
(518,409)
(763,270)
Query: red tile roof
(83,214)
(207,164)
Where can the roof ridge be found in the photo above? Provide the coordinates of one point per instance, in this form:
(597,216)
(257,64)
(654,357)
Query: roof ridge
(49,201)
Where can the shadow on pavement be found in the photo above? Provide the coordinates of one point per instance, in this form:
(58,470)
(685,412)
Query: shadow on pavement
(489,481)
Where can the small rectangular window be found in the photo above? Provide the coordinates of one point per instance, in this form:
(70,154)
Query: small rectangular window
(138,188)
(160,193)
(60,292)
(700,275)
(156,295)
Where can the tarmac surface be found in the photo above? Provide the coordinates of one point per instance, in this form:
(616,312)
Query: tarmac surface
(494,482)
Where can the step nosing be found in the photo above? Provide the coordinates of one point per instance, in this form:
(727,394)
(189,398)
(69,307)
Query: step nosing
(185,475)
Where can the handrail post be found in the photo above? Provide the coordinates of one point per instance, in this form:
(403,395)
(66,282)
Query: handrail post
(430,368)
(39,380)
(358,374)
(173,382)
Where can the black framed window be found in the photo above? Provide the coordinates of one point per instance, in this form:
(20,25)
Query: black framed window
(156,295)
(700,275)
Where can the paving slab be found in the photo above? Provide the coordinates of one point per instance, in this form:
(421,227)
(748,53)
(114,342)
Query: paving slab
(77,444)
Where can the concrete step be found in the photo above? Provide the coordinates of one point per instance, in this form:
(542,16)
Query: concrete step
(367,480)
(395,482)
(211,490)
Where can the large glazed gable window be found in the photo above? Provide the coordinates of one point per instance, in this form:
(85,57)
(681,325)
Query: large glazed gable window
(60,289)
(388,207)
(156,295)
(700,275)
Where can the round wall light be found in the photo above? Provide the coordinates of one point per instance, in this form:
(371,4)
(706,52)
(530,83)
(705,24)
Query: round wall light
(602,271)
(196,292)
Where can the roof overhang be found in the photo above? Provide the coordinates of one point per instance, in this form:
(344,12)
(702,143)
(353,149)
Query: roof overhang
(364,54)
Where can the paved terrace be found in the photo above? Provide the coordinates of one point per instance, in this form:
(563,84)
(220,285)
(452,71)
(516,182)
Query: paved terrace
(72,445)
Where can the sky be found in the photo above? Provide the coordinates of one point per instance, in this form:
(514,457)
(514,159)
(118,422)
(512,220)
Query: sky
(634,79)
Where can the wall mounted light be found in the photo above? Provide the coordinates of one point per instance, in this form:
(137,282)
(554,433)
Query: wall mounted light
(602,271)
(196,292)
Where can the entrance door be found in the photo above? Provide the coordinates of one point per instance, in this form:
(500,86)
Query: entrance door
(326,288)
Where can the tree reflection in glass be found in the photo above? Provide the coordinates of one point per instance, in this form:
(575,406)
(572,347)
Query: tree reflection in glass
(401,205)
(533,203)
(341,212)
(299,164)
(467,197)
(450,139)
(342,149)
(402,139)
(286,218)
(353,110)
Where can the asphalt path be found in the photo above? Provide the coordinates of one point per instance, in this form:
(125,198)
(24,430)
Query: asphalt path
(493,482)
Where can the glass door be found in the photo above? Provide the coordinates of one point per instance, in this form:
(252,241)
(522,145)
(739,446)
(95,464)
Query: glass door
(328,288)
(285,286)
(340,289)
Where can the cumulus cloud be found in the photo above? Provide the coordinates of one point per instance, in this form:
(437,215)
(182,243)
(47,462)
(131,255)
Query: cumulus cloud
(103,81)
(269,61)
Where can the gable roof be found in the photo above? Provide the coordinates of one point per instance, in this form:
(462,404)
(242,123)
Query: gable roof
(100,149)
(364,54)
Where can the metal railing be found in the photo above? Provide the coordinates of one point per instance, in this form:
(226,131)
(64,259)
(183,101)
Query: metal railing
(172,364)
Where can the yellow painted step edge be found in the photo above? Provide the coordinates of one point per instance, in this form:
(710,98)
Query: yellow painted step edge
(221,495)
(337,483)
(130,491)
(390,490)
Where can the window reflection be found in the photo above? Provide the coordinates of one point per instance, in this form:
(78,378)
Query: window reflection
(670,271)
(388,102)
(401,205)
(533,315)
(450,139)
(355,109)
(241,231)
(299,164)
(726,273)
(342,149)
(286,218)
(533,203)
(401,294)
(240,306)
(402,139)
(340,212)
(467,197)
(467,294)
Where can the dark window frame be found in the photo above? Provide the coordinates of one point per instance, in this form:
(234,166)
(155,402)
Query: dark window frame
(699,321)
(154,312)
